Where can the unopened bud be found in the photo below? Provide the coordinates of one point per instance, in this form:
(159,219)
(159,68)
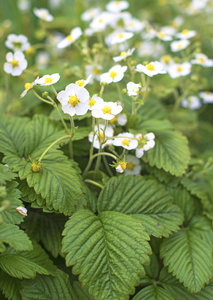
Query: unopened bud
(45,94)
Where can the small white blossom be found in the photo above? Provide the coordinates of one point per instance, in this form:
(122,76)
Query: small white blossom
(117,6)
(106,110)
(163,36)
(207,96)
(120,119)
(42,60)
(43,14)
(48,79)
(17,42)
(179,45)
(83,82)
(123,55)
(153,68)
(118,37)
(28,86)
(90,14)
(100,22)
(133,25)
(186,34)
(95,70)
(95,101)
(145,143)
(203,60)
(166,61)
(126,140)
(168,30)
(74,100)
(22,210)
(75,33)
(16,63)
(99,136)
(115,74)
(191,102)
(133,89)
(177,70)
(133,166)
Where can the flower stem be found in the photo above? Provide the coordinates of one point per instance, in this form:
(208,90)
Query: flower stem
(120,93)
(42,99)
(94,183)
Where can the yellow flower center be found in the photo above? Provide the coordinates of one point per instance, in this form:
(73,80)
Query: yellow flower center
(114,120)
(125,142)
(43,14)
(92,102)
(70,38)
(121,35)
(80,83)
(30,50)
(201,59)
(185,31)
(113,74)
(179,69)
(207,93)
(48,80)
(130,166)
(27,85)
(73,100)
(180,46)
(100,20)
(150,67)
(106,110)
(96,71)
(131,24)
(117,3)
(166,59)
(161,34)
(123,53)
(101,136)
(190,100)
(14,63)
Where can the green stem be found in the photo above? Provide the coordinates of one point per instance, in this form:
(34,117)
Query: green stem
(54,91)
(71,135)
(48,148)
(94,183)
(119,91)
(102,90)
(107,166)
(42,99)
(145,93)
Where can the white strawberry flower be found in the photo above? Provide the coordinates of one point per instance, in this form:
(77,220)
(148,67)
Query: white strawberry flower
(95,101)
(207,96)
(192,102)
(115,74)
(166,61)
(100,22)
(75,33)
(118,37)
(17,42)
(203,60)
(177,70)
(133,89)
(90,14)
(168,30)
(117,6)
(145,143)
(48,79)
(123,55)
(163,36)
(153,68)
(133,25)
(43,14)
(16,63)
(179,45)
(126,140)
(74,100)
(99,136)
(83,82)
(28,86)
(106,110)
(186,34)
(95,70)
(120,119)
(22,210)
(133,166)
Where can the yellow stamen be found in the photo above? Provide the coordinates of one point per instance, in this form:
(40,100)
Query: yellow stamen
(179,69)
(101,136)
(150,67)
(114,120)
(123,53)
(161,34)
(70,38)
(207,93)
(73,100)
(125,142)
(180,46)
(80,83)
(43,15)
(185,31)
(121,35)
(123,165)
(201,59)
(27,85)
(100,20)
(113,74)
(30,50)
(106,110)
(130,166)
(96,71)
(117,3)
(14,63)
(92,102)
(48,80)
(166,59)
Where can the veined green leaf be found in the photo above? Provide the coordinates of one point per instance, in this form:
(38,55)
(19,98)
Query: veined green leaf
(153,292)
(202,227)
(6,174)
(189,258)
(143,199)
(108,251)
(10,286)
(48,288)
(81,292)
(15,237)
(25,264)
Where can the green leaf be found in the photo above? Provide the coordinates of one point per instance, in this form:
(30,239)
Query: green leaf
(10,286)
(81,133)
(153,125)
(153,292)
(57,182)
(108,251)
(15,237)
(146,200)
(189,258)
(81,292)
(170,153)
(202,227)
(36,225)
(48,288)
(10,214)
(6,174)
(25,264)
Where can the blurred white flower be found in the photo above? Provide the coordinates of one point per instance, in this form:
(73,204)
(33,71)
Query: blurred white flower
(166,61)
(28,86)
(177,70)
(133,25)
(48,79)
(120,119)
(133,88)
(83,82)
(203,60)
(95,70)
(153,68)
(163,36)
(43,14)
(117,6)
(100,22)
(207,96)
(118,37)
(133,166)
(90,14)
(42,59)
(75,33)
(17,42)
(186,34)
(191,102)
(16,63)
(126,140)
(123,55)
(114,74)
(179,45)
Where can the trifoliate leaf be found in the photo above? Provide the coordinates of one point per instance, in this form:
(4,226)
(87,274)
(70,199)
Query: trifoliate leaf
(10,286)
(25,264)
(108,251)
(143,199)
(15,237)
(48,288)
(153,292)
